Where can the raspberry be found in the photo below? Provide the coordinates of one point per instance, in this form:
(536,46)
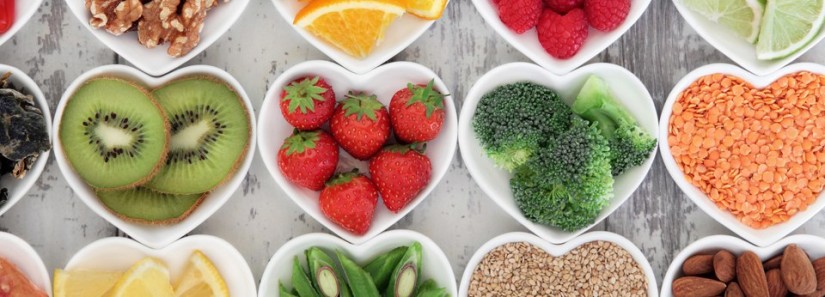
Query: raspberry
(606,15)
(563,6)
(563,36)
(520,15)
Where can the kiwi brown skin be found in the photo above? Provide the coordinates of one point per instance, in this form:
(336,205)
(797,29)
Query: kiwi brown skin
(161,222)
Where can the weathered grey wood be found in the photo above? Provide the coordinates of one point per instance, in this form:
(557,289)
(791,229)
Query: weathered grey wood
(54,49)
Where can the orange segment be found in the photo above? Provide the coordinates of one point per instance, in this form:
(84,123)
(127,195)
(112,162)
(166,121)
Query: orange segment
(426,9)
(354,26)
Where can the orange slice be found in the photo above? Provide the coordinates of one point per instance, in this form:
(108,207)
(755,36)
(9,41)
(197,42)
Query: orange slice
(426,9)
(354,26)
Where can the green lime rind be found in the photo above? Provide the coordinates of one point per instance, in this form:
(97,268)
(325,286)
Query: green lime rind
(789,26)
(742,16)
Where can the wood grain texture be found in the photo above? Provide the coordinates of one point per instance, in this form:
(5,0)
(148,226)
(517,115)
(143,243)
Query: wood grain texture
(54,48)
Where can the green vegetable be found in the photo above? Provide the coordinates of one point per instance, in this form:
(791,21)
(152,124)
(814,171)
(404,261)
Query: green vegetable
(301,282)
(381,267)
(283,292)
(405,275)
(630,145)
(323,274)
(513,121)
(430,289)
(359,280)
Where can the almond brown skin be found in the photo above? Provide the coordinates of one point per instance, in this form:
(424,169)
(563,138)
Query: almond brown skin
(692,286)
(698,265)
(773,263)
(751,275)
(734,290)
(724,266)
(776,287)
(818,293)
(797,271)
(819,268)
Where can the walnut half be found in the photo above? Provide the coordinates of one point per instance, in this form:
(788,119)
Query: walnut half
(116,16)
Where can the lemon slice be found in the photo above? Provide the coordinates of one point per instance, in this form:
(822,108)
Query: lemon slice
(148,277)
(426,9)
(742,16)
(84,283)
(788,26)
(201,279)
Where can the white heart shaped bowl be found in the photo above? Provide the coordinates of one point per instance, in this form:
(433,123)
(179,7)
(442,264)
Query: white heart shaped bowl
(528,42)
(23,12)
(22,255)
(118,254)
(435,264)
(495,182)
(383,82)
(19,187)
(151,235)
(557,251)
(155,61)
(813,245)
(403,32)
(737,48)
(759,237)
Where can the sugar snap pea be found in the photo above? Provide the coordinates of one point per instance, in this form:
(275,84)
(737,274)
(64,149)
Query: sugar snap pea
(301,282)
(283,292)
(359,280)
(328,280)
(404,277)
(381,267)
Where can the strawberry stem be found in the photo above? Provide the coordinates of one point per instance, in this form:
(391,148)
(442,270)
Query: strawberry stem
(302,94)
(361,105)
(430,98)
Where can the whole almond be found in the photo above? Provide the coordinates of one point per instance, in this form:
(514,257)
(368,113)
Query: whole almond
(774,262)
(776,287)
(693,286)
(698,265)
(724,266)
(819,268)
(818,293)
(797,271)
(734,290)
(751,275)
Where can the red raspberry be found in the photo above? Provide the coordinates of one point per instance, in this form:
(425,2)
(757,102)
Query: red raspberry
(563,36)
(606,15)
(520,15)
(564,6)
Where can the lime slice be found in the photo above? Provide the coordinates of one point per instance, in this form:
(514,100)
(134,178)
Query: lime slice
(742,16)
(789,25)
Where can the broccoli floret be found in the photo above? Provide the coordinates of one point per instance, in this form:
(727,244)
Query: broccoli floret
(630,144)
(567,183)
(514,120)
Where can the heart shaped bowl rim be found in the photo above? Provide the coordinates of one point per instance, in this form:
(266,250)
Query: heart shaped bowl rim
(495,181)
(22,255)
(162,235)
(23,16)
(274,129)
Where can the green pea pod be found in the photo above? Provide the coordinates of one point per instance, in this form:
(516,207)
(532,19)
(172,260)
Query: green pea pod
(328,280)
(381,267)
(301,282)
(283,292)
(359,280)
(428,285)
(405,275)
(430,289)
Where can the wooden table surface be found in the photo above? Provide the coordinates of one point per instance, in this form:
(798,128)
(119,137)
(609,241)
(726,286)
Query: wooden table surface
(54,48)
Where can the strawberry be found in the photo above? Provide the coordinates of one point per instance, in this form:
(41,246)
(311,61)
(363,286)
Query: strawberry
(361,125)
(563,6)
(349,200)
(520,15)
(563,36)
(606,15)
(308,159)
(307,103)
(417,113)
(400,172)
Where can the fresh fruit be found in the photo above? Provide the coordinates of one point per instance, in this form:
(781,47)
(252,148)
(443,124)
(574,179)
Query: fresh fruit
(201,279)
(742,16)
(563,36)
(788,26)
(13,283)
(7,15)
(210,135)
(606,15)
(84,283)
(400,172)
(563,6)
(417,113)
(142,205)
(354,26)
(361,125)
(308,159)
(520,15)
(307,103)
(147,277)
(349,200)
(426,9)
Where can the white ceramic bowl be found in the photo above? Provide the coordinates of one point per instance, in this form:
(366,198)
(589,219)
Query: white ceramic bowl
(813,245)
(155,61)
(435,263)
(19,187)
(528,42)
(557,251)
(760,237)
(22,255)
(118,254)
(403,32)
(496,181)
(150,235)
(23,12)
(737,48)
(383,82)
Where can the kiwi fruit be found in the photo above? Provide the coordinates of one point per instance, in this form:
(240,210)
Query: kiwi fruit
(210,135)
(142,205)
(114,134)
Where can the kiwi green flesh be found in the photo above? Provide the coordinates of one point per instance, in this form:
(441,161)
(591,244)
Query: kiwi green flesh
(210,135)
(146,206)
(113,133)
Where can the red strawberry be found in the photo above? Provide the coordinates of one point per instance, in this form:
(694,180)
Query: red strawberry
(308,159)
(563,6)
(349,200)
(563,36)
(361,125)
(307,103)
(520,15)
(400,172)
(417,113)
(606,15)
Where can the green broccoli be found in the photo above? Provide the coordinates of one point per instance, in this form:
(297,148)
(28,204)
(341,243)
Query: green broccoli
(514,120)
(567,183)
(630,144)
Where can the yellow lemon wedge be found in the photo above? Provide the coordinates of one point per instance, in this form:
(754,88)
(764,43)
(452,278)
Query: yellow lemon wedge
(148,277)
(201,279)
(426,9)
(84,283)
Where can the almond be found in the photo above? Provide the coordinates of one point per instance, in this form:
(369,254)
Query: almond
(819,268)
(724,266)
(692,286)
(776,287)
(773,263)
(698,265)
(818,293)
(797,271)
(751,275)
(734,290)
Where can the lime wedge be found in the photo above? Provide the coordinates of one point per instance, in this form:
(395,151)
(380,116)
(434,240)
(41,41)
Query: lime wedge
(788,26)
(742,16)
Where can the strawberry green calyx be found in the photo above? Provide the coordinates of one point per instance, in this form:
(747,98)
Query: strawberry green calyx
(432,99)
(303,94)
(344,177)
(362,105)
(417,147)
(300,142)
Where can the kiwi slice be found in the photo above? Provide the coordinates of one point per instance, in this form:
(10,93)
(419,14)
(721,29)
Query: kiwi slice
(114,134)
(210,135)
(145,206)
